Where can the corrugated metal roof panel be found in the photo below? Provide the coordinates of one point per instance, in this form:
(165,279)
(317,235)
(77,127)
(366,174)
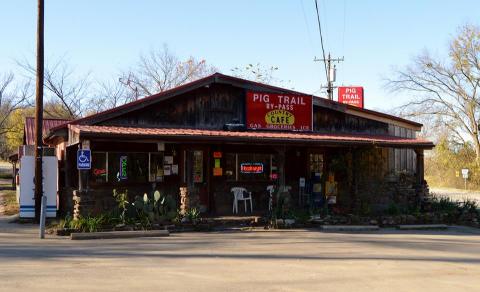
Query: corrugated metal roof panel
(47,125)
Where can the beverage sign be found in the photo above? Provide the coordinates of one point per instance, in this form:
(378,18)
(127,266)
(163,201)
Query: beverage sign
(351,95)
(251,167)
(122,173)
(279,111)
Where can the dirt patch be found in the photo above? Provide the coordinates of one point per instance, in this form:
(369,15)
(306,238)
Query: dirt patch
(8,203)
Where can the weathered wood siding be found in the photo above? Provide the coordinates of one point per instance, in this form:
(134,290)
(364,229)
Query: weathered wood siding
(214,106)
(329,121)
(208,108)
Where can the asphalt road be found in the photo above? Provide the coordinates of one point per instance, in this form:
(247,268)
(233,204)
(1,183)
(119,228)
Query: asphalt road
(243,261)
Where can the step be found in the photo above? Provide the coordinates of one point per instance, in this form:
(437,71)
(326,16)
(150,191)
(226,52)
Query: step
(118,234)
(423,227)
(349,227)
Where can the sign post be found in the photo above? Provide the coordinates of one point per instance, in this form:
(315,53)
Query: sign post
(465,176)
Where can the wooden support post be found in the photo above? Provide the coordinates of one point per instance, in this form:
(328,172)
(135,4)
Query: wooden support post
(281,167)
(420,166)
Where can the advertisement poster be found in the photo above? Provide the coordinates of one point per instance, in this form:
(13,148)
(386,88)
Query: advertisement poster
(285,112)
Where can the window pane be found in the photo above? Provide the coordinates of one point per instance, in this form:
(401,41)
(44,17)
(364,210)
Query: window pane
(156,167)
(98,173)
(254,166)
(135,165)
(230,166)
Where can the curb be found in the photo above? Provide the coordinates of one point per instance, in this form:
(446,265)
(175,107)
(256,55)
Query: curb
(423,227)
(118,234)
(350,227)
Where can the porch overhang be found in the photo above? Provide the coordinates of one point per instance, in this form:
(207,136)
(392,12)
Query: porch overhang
(78,132)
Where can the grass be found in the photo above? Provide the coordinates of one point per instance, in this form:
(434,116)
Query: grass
(9,202)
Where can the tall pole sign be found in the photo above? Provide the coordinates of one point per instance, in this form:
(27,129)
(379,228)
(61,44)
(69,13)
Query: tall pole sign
(39,112)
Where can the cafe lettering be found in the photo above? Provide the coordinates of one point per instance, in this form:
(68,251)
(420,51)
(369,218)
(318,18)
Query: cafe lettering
(200,141)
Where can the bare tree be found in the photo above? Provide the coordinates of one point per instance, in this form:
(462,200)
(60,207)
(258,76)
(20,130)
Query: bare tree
(446,90)
(12,97)
(66,93)
(159,70)
(109,94)
(259,73)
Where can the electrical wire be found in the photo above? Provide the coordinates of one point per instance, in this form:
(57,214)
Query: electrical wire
(321,40)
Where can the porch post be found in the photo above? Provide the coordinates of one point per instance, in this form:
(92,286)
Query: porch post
(420,166)
(281,167)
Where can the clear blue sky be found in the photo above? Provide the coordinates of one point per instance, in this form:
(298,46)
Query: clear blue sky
(107,36)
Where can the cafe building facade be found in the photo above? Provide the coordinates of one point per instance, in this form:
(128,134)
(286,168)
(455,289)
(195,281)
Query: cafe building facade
(201,139)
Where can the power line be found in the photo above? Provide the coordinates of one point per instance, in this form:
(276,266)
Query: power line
(321,40)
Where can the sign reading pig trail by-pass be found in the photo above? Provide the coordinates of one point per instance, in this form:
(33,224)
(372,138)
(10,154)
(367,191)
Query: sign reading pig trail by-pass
(286,112)
(465,173)
(352,95)
(84,159)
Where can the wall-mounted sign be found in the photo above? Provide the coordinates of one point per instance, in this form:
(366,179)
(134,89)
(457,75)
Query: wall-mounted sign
(122,173)
(217,154)
(84,159)
(279,111)
(251,167)
(352,95)
(217,171)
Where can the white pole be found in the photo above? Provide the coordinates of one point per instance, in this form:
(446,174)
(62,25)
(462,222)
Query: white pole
(42,216)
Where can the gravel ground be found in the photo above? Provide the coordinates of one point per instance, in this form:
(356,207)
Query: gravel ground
(457,194)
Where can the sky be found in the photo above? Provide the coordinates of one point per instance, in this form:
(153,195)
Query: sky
(374,36)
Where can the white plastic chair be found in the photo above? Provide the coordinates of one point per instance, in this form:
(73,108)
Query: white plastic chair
(241,194)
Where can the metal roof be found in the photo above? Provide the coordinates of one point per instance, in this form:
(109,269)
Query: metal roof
(29,130)
(248,136)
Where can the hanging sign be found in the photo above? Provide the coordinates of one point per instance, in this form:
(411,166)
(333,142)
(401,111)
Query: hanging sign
(352,95)
(84,159)
(286,112)
(251,167)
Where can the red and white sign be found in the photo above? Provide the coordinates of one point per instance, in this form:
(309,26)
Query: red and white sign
(352,95)
(279,111)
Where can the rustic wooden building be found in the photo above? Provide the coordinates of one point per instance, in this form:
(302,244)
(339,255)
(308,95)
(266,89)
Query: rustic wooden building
(205,138)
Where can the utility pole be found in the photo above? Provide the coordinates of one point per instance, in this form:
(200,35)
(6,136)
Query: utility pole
(331,73)
(39,112)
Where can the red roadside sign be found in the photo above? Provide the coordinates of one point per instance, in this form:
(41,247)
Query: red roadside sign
(352,95)
(285,112)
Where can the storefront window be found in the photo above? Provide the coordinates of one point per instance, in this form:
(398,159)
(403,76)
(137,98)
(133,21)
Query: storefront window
(156,167)
(197,166)
(128,167)
(231,166)
(98,173)
(253,166)
(316,165)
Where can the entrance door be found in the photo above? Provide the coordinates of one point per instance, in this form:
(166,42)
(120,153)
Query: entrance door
(197,178)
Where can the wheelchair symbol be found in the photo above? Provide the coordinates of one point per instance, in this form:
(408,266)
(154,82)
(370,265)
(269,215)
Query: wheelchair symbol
(83,158)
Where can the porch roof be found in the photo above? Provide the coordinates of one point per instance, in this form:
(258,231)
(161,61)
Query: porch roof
(265,137)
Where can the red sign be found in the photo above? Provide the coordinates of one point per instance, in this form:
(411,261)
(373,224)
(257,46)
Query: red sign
(279,111)
(351,95)
(251,167)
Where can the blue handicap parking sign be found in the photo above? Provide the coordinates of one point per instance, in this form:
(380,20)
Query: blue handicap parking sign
(84,159)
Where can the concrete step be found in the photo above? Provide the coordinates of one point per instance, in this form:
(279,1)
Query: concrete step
(349,227)
(423,227)
(119,234)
